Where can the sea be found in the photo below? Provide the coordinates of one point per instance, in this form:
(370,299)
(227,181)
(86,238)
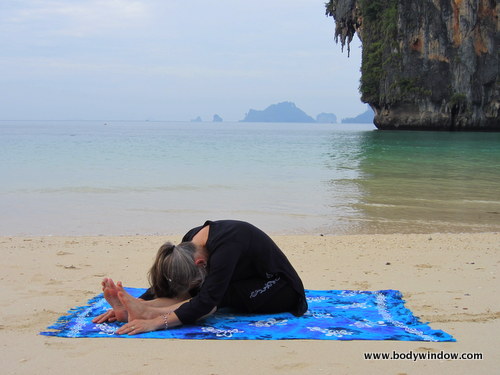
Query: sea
(163,178)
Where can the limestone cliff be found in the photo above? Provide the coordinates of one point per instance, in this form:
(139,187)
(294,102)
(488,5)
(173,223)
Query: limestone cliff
(426,64)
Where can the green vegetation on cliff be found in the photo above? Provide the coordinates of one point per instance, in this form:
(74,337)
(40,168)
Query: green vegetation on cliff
(380,17)
(426,64)
(380,47)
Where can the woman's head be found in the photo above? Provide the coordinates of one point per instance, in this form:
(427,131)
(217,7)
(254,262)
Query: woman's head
(174,271)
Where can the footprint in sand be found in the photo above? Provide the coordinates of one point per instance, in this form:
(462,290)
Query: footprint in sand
(424,266)
(63,253)
(425,349)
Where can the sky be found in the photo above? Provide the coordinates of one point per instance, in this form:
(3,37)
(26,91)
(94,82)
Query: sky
(171,60)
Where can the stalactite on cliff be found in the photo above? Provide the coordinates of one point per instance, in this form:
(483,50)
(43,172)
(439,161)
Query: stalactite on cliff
(346,17)
(426,64)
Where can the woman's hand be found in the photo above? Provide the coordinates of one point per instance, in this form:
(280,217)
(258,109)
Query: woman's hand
(141,325)
(108,316)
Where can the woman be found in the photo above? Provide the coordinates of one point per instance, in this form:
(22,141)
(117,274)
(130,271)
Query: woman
(222,263)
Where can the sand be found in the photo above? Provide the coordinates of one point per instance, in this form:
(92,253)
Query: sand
(449,280)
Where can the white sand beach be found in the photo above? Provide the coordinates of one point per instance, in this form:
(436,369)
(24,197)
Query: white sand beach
(449,280)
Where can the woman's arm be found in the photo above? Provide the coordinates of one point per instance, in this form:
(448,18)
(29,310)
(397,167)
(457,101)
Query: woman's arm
(222,265)
(161,318)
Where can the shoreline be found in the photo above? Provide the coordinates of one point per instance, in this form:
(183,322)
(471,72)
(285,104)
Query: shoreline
(447,279)
(349,230)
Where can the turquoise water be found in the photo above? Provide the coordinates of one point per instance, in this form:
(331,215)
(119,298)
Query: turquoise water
(81,178)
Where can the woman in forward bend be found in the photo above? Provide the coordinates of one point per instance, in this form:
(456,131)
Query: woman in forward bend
(224,263)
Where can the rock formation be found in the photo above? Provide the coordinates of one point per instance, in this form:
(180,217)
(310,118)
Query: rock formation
(426,64)
(217,118)
(326,118)
(363,118)
(281,112)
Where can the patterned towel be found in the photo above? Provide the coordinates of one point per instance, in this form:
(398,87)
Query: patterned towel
(332,315)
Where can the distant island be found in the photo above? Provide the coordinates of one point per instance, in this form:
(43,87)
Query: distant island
(326,118)
(289,112)
(281,112)
(364,118)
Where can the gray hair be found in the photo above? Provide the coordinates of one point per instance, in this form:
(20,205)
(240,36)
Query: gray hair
(174,271)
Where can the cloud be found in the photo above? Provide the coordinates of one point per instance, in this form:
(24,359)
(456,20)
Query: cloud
(222,54)
(76,18)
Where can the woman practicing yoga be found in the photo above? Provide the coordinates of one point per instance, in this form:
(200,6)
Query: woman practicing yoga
(224,263)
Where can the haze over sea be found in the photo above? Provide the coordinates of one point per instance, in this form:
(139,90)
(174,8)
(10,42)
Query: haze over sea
(119,178)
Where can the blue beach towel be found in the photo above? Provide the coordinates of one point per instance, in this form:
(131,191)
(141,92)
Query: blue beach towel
(332,315)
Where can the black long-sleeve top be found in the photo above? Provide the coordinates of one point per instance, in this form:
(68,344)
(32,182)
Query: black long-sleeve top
(237,251)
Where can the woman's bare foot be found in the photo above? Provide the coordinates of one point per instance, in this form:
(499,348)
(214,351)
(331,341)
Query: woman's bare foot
(136,309)
(111,294)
